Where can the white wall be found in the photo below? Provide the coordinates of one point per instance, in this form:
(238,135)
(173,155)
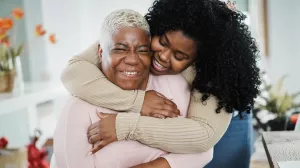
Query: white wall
(35,45)
(284,42)
(76,24)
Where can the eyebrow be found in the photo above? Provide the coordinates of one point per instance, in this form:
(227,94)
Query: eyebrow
(145,45)
(181,52)
(121,44)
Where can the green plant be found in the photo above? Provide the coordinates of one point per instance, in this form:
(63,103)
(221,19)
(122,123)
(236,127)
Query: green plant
(8,56)
(276,99)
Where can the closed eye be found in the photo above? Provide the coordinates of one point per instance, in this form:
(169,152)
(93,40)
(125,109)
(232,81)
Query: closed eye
(162,42)
(179,56)
(119,49)
(143,51)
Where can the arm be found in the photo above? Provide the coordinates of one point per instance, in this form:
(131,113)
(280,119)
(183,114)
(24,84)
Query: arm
(83,79)
(71,131)
(198,133)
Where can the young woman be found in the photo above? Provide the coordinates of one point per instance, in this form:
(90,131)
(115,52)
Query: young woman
(207,37)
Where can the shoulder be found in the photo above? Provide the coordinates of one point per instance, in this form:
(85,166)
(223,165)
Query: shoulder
(76,106)
(172,80)
(169,85)
(175,88)
(189,74)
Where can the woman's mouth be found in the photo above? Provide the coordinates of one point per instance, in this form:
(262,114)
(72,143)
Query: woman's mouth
(157,66)
(130,74)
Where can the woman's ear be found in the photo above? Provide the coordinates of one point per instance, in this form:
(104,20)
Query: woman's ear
(100,53)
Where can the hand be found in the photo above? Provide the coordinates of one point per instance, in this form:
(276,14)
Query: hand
(157,105)
(102,132)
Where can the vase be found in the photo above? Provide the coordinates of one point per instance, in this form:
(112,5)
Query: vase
(7,81)
(19,82)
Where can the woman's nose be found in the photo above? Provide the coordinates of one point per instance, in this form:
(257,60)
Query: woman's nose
(164,56)
(132,58)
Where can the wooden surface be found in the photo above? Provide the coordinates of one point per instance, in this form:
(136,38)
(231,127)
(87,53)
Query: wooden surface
(281,146)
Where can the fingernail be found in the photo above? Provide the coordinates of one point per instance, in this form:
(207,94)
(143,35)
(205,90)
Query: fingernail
(90,153)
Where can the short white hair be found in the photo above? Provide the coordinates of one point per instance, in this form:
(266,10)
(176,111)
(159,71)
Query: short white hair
(120,19)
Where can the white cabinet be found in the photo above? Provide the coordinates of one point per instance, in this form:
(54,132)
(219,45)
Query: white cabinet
(19,112)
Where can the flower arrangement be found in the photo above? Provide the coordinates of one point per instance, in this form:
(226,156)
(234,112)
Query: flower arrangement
(9,50)
(277,100)
(3,142)
(274,105)
(36,157)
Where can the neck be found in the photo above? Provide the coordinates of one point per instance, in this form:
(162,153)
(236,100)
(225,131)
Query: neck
(145,83)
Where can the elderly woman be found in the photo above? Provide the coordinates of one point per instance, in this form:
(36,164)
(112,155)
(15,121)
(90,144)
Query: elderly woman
(125,61)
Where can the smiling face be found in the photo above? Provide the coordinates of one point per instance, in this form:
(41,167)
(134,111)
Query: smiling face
(173,53)
(128,61)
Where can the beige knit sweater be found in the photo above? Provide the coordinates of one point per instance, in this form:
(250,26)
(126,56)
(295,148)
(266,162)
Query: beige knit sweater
(199,132)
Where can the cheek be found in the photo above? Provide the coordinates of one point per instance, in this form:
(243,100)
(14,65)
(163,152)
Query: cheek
(179,66)
(116,62)
(106,62)
(146,61)
(110,64)
(155,44)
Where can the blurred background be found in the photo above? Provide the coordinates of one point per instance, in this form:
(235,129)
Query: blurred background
(45,34)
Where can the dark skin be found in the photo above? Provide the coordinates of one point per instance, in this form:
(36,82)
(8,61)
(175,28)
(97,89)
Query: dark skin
(174,52)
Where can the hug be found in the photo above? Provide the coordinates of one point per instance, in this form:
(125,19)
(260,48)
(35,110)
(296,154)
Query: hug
(164,90)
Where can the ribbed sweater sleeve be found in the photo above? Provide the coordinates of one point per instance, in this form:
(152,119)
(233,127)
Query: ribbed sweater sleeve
(198,133)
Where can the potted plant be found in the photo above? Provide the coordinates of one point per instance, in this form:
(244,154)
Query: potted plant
(7,69)
(274,106)
(10,64)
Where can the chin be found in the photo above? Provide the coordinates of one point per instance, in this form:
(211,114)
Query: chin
(155,72)
(125,86)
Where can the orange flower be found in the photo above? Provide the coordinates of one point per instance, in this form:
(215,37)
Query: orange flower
(39,31)
(5,41)
(17,13)
(52,38)
(2,33)
(294,118)
(6,23)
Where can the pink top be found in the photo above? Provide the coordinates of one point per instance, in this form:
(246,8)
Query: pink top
(71,144)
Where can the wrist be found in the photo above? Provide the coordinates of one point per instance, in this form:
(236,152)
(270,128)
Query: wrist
(125,124)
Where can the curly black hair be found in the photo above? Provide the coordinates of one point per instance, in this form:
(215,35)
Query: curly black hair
(226,62)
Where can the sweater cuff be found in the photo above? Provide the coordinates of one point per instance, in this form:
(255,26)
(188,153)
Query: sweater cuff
(126,124)
(138,103)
